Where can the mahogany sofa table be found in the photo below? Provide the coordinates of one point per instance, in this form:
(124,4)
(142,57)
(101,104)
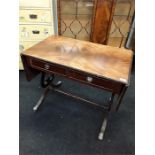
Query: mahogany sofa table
(93,64)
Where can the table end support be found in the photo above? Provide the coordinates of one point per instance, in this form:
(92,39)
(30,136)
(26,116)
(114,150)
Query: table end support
(46,83)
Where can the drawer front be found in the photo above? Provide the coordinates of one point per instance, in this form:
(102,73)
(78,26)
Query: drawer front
(76,75)
(35,16)
(34,3)
(95,81)
(45,66)
(35,32)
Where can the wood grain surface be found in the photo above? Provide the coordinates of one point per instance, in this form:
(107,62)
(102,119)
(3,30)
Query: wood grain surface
(101,60)
(102,20)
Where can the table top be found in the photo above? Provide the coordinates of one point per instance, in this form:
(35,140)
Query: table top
(100,60)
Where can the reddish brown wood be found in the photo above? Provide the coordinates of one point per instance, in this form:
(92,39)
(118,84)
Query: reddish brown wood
(113,5)
(107,67)
(30,72)
(102,21)
(98,82)
(102,61)
(74,74)
(46,66)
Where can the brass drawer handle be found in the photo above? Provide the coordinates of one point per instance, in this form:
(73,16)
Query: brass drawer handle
(89,79)
(46,66)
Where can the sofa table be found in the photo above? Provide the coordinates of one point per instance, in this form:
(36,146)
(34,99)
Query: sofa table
(97,65)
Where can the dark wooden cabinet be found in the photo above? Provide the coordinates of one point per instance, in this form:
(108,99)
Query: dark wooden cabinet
(100,21)
(85,19)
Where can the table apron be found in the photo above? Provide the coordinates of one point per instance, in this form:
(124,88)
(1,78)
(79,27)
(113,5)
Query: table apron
(77,75)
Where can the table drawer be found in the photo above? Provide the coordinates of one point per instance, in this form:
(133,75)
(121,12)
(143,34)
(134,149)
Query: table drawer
(34,3)
(35,16)
(45,66)
(95,81)
(76,75)
(35,32)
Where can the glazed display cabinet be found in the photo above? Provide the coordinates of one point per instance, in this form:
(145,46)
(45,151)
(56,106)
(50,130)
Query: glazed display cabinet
(100,21)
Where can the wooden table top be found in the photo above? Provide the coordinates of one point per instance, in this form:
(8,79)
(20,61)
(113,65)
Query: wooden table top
(101,60)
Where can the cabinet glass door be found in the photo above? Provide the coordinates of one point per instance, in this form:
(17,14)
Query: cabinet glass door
(75,18)
(121,22)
